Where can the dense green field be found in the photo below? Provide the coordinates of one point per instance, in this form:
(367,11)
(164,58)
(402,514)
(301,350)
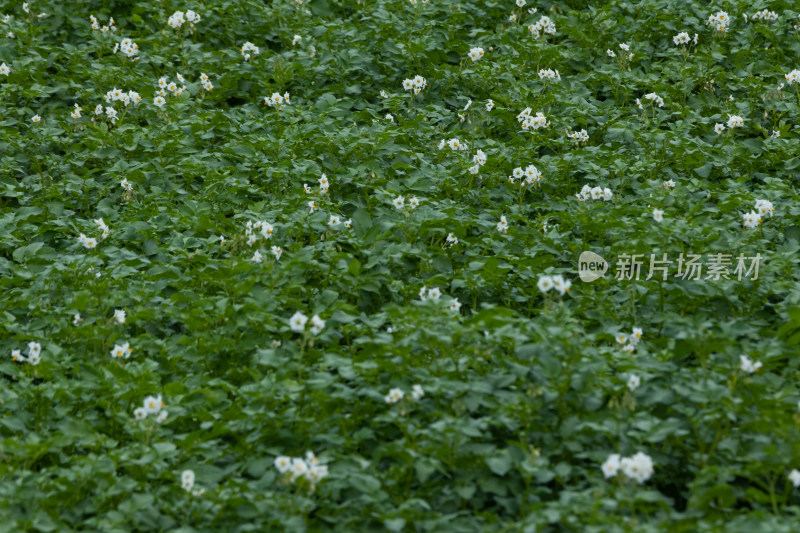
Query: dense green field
(314,266)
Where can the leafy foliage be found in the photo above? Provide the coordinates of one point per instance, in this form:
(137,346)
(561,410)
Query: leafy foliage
(525,393)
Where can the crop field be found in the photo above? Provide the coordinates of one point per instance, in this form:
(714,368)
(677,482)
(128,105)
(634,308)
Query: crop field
(400,266)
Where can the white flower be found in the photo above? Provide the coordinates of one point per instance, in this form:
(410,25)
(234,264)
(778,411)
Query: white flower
(489,105)
(794,477)
(502,226)
(658,215)
(394,396)
(476,53)
(187,480)
(479,158)
(162,416)
(720,21)
(560,284)
(247,48)
(299,467)
(36,119)
(312,205)
(747,365)
(792,77)
(153,404)
(159,101)
(735,121)
(296,39)
(193,17)
(413,202)
(633,382)
(140,413)
(119,316)
(474,169)
(334,221)
(417,392)
(257,257)
(681,38)
(610,53)
(283,464)
(77,319)
(451,239)
(545,283)
(434,293)
(611,466)
(638,468)
(276,251)
(655,98)
(751,220)
(764,207)
(298,321)
(669,184)
(399,202)
(317,325)
(719,128)
(520,3)
(455,305)
(4,69)
(389,117)
(454,144)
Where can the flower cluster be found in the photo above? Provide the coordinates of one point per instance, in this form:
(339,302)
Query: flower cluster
(549,74)
(533,122)
(121,350)
(415,84)
(735,121)
(639,467)
(454,144)
(187,482)
(298,323)
(165,86)
(629,342)
(653,97)
(34,354)
(276,100)
(296,468)
(544,26)
(748,366)
(530,174)
(556,282)
(247,48)
(104,29)
(90,242)
(429,294)
(152,406)
(594,193)
(479,159)
(395,395)
(579,136)
(177,19)
(764,15)
(117,95)
(720,21)
(128,48)
(476,53)
(400,202)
